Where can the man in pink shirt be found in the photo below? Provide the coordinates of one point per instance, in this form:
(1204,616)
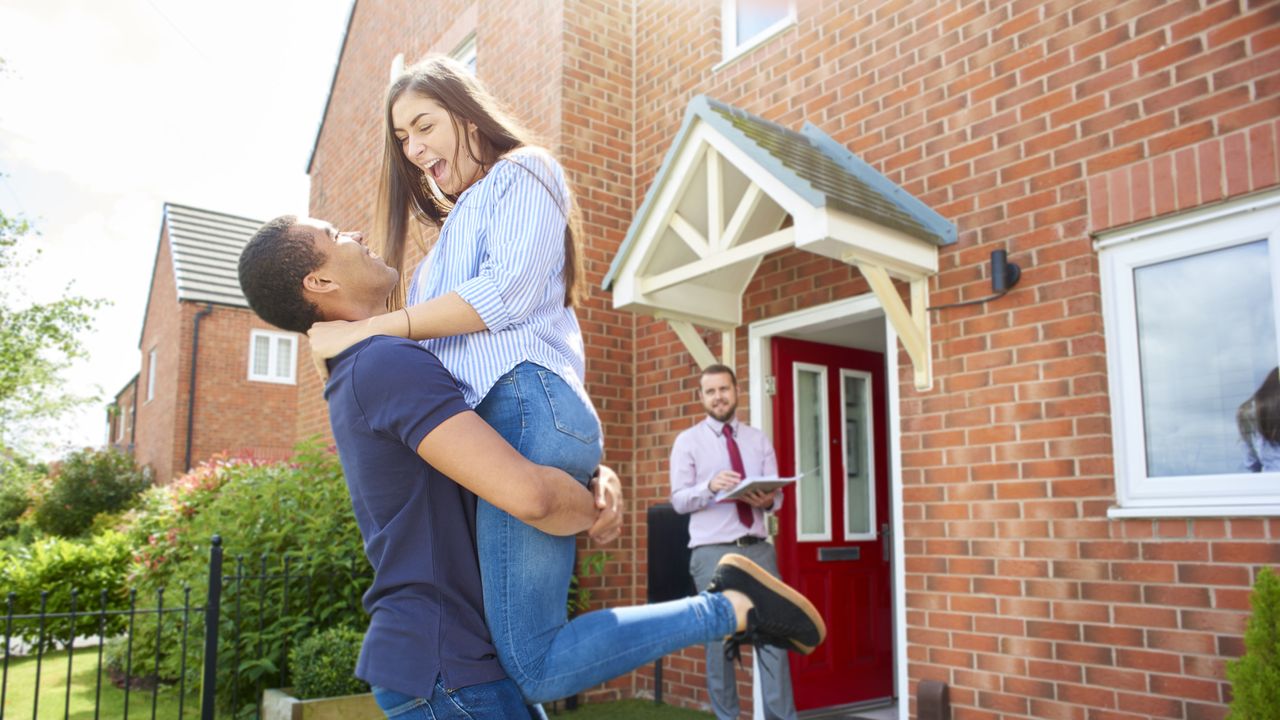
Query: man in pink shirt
(714,455)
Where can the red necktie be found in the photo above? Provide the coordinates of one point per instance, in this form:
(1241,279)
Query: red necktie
(745,514)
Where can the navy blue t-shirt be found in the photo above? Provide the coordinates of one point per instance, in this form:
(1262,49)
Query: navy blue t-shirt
(426,610)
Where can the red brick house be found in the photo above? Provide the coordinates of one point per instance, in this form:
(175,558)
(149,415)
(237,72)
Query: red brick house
(214,378)
(1025,485)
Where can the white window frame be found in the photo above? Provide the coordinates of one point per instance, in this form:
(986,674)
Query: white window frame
(867,422)
(119,425)
(272,353)
(1119,254)
(825,444)
(731,49)
(151,375)
(465,53)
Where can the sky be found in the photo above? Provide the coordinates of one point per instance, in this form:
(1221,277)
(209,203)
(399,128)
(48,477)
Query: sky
(110,108)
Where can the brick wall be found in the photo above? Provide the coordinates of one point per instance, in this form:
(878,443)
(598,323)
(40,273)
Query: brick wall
(157,417)
(234,415)
(1011,118)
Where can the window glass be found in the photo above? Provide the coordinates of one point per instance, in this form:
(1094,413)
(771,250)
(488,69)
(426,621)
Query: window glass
(151,375)
(811,422)
(1206,338)
(466,53)
(261,354)
(755,16)
(284,357)
(857,455)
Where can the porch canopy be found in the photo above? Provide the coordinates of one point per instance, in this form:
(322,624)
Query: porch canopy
(735,187)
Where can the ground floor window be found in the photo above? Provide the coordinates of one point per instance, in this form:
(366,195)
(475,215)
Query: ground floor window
(1190,311)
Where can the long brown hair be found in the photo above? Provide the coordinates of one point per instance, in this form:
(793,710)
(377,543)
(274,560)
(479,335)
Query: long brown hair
(403,190)
(1261,413)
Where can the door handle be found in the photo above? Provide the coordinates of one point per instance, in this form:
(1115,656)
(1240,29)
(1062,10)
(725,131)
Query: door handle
(885,537)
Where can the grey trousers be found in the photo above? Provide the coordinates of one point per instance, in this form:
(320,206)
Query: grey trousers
(775,673)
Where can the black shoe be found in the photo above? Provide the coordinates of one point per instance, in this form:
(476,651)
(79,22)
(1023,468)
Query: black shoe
(780,617)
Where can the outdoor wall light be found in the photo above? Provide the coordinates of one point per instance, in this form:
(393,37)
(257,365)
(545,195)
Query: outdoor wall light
(1004,275)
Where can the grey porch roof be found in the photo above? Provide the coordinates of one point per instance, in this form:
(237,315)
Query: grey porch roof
(206,248)
(812,164)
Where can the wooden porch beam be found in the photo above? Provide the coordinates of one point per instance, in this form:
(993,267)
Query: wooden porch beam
(912,325)
(756,248)
(746,206)
(715,200)
(690,235)
(692,342)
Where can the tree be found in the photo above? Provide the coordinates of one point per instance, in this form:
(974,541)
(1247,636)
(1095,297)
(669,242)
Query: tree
(37,343)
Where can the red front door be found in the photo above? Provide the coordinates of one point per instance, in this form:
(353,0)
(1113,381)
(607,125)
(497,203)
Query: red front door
(833,531)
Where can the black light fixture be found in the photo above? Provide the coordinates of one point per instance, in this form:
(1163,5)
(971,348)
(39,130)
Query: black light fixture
(1004,274)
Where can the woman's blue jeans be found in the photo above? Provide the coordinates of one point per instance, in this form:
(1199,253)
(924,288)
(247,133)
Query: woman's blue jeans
(526,571)
(497,699)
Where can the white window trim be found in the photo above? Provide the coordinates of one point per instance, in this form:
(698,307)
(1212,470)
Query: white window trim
(867,422)
(465,53)
(151,376)
(729,49)
(292,379)
(1137,495)
(825,444)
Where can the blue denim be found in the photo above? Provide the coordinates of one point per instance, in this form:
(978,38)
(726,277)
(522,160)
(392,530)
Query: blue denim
(497,699)
(526,571)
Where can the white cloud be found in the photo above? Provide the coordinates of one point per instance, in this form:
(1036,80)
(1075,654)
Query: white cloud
(110,109)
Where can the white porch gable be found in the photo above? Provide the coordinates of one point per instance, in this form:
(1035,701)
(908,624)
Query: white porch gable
(734,188)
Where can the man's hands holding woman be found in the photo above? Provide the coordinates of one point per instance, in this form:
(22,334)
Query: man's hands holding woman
(607,489)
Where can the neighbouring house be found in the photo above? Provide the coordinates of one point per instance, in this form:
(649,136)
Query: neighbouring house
(214,378)
(996,276)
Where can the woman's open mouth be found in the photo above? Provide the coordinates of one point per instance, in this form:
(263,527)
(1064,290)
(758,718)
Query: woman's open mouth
(436,168)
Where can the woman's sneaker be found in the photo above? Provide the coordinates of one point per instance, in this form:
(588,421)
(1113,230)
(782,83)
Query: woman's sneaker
(780,616)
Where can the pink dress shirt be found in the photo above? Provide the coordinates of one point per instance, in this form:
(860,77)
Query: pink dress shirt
(698,454)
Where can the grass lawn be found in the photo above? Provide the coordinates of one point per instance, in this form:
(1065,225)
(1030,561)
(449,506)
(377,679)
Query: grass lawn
(84,677)
(630,710)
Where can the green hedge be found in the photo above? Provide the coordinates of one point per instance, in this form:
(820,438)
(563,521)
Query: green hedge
(324,664)
(297,512)
(56,567)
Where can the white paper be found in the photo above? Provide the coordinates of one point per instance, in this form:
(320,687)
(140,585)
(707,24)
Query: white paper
(764,483)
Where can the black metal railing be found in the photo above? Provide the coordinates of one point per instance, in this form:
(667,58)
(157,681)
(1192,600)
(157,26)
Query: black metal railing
(248,629)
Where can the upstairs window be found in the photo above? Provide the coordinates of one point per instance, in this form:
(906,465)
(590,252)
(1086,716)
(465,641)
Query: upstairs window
(272,357)
(151,375)
(745,24)
(466,53)
(1190,308)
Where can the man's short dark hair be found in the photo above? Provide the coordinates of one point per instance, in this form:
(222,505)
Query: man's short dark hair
(718,369)
(272,267)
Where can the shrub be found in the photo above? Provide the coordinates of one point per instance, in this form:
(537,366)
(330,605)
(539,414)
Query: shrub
(1255,677)
(579,594)
(18,482)
(297,515)
(324,664)
(58,566)
(86,483)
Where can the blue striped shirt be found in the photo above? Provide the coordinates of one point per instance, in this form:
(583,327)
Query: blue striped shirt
(502,250)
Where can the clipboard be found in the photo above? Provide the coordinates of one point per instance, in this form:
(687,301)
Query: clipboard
(764,483)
